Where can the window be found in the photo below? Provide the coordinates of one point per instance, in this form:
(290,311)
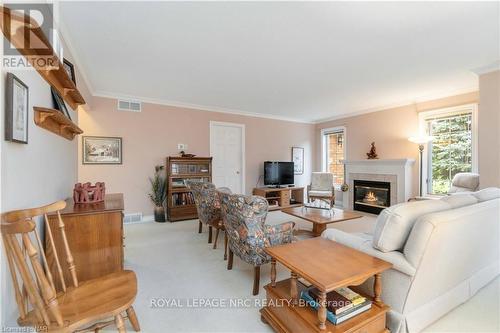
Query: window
(333,147)
(452,149)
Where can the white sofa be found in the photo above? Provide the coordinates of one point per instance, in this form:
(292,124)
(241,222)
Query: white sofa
(442,251)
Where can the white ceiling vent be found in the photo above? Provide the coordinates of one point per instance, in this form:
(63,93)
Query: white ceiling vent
(128,105)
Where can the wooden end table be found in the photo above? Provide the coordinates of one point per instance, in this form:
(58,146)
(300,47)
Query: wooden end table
(320,218)
(327,265)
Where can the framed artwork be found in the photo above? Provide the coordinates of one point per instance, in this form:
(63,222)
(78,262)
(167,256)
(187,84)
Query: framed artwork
(298,160)
(16,110)
(59,103)
(101,150)
(70,69)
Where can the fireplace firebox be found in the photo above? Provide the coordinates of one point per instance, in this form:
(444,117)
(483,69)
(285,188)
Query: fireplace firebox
(371,196)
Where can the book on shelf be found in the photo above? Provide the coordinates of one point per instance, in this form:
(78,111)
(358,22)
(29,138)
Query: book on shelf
(339,308)
(181,199)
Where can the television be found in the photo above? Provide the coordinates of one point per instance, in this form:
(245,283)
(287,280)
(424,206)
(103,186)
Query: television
(278,173)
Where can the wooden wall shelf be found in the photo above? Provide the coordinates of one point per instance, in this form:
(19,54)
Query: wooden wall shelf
(15,27)
(54,121)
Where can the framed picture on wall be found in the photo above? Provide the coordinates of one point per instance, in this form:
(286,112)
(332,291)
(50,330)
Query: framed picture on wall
(101,150)
(59,103)
(16,110)
(70,69)
(298,160)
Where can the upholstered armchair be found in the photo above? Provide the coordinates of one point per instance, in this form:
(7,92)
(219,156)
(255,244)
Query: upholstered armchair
(207,203)
(464,182)
(244,219)
(321,188)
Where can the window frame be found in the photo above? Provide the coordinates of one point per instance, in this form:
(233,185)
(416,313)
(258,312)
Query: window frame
(324,150)
(424,116)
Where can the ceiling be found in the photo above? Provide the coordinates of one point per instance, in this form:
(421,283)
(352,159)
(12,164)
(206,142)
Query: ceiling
(290,60)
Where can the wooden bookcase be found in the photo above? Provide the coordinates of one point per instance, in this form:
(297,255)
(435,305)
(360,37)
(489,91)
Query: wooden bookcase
(180,202)
(279,198)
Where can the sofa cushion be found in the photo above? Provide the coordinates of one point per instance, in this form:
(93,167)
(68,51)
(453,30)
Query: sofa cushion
(489,193)
(460,199)
(362,242)
(395,223)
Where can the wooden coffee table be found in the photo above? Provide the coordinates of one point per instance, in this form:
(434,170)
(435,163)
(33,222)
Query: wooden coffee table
(320,218)
(327,265)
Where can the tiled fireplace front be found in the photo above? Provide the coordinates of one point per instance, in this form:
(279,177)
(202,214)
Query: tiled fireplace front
(395,176)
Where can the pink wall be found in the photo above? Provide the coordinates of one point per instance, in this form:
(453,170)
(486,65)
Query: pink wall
(389,129)
(153,134)
(489,129)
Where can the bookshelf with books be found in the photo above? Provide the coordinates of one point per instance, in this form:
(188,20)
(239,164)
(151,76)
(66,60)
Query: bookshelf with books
(180,201)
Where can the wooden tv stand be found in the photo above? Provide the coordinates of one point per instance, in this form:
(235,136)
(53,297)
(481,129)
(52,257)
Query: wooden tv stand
(280,197)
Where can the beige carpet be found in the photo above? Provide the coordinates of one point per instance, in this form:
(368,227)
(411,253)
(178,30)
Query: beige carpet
(177,270)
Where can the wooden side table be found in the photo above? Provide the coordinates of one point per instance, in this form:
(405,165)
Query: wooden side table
(328,266)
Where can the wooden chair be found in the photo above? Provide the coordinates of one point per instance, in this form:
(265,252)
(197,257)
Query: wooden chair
(244,219)
(79,307)
(208,207)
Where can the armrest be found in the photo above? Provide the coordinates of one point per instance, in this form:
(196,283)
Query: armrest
(279,233)
(363,243)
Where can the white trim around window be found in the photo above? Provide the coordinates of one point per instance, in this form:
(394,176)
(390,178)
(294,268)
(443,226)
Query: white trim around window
(331,130)
(424,116)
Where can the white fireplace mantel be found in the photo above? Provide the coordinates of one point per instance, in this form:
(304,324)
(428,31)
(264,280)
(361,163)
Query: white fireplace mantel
(374,162)
(398,172)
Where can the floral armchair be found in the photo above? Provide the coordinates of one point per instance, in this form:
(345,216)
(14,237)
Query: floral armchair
(207,203)
(244,219)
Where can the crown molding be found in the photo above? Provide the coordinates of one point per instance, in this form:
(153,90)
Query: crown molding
(494,66)
(421,99)
(198,107)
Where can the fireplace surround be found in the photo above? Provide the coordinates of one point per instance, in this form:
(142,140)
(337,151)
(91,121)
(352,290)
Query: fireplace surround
(397,172)
(371,196)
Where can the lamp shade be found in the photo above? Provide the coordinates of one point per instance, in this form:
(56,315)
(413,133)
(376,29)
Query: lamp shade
(421,139)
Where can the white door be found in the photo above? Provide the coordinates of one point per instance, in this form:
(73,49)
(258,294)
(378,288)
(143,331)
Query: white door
(227,147)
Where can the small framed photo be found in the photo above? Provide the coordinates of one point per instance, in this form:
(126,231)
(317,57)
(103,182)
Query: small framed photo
(298,160)
(70,69)
(59,103)
(16,110)
(101,150)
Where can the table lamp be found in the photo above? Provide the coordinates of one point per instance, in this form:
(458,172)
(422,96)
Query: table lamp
(421,141)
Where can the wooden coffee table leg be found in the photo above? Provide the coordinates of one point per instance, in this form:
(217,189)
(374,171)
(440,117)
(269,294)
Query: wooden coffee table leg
(322,311)
(377,288)
(318,229)
(294,292)
(273,272)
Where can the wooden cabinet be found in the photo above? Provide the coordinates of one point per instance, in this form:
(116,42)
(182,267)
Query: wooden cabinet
(180,201)
(95,235)
(279,198)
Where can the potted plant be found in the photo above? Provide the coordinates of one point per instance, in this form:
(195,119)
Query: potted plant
(158,193)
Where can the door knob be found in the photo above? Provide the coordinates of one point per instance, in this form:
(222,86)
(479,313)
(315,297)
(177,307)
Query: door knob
(237,172)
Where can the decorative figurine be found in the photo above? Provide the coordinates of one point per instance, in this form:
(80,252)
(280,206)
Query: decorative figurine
(183,154)
(86,193)
(372,155)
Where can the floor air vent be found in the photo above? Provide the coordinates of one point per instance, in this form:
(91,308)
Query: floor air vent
(132,218)
(128,105)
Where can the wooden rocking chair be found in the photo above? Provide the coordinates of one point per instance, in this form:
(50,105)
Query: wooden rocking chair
(80,307)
